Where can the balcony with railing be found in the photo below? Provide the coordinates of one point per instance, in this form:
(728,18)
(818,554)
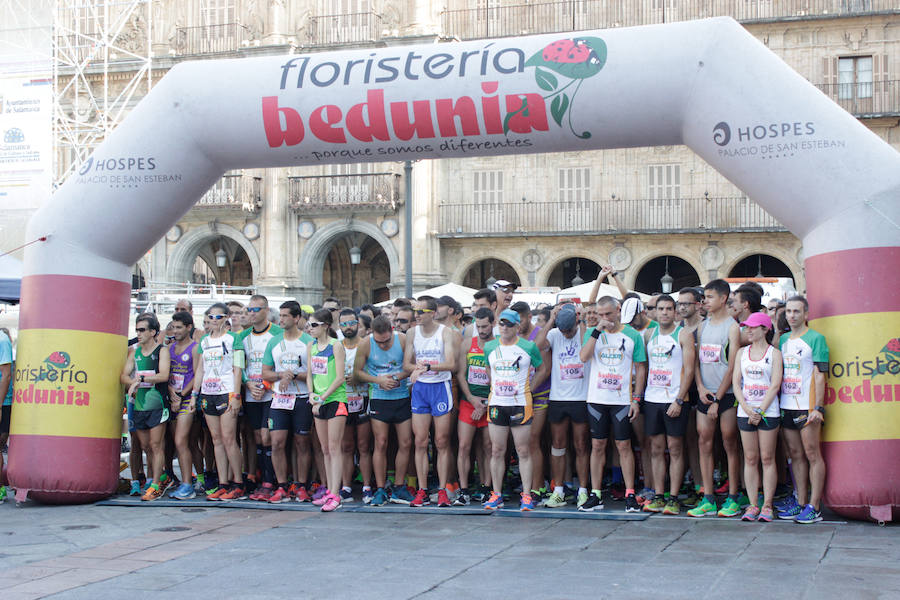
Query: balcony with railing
(331,194)
(349,28)
(866,99)
(234,191)
(605,217)
(211,39)
(496,20)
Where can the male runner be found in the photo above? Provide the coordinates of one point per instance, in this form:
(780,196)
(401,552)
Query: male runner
(504,291)
(184,305)
(568,405)
(474,386)
(670,350)
(358,431)
(430,357)
(612,348)
(510,359)
(379,362)
(333,305)
(405,319)
(690,301)
(718,341)
(805,355)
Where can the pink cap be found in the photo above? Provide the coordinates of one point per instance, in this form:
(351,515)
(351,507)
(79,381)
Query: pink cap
(758,319)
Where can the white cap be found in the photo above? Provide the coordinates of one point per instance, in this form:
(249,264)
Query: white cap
(630,309)
(502,283)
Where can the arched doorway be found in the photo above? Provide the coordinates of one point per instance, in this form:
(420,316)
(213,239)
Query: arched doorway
(568,272)
(356,270)
(196,257)
(222,261)
(760,265)
(487,271)
(649,278)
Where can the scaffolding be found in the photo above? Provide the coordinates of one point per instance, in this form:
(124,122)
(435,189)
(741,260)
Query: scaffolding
(102,66)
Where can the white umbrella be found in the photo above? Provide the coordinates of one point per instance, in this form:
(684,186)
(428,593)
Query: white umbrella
(583,291)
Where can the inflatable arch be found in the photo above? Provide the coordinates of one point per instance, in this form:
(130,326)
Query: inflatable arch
(708,84)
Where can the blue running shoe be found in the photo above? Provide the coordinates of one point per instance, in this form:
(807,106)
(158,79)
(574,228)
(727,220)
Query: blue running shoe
(791,512)
(809,515)
(380,498)
(401,495)
(135,488)
(786,503)
(185,491)
(494,502)
(367,495)
(526,503)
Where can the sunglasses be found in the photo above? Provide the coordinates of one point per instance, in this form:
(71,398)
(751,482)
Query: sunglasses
(348,323)
(505,323)
(140,329)
(401,321)
(216,317)
(314,324)
(422,311)
(254,309)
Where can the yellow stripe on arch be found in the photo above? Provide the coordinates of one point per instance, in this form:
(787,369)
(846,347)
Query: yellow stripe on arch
(66,383)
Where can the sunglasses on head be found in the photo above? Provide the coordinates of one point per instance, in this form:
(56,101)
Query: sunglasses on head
(422,311)
(314,324)
(216,317)
(254,309)
(348,323)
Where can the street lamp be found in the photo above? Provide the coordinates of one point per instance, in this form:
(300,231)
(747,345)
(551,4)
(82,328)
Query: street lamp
(491,280)
(577,280)
(666,280)
(355,255)
(221,258)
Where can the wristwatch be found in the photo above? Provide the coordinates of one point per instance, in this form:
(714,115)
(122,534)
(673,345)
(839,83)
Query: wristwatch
(821,409)
(679,401)
(142,379)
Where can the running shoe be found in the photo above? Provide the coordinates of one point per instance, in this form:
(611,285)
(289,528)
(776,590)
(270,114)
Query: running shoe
(631,504)
(185,491)
(783,491)
(165,484)
(743,500)
(367,495)
(216,494)
(766,515)
(617,491)
(556,500)
(380,498)
(463,498)
(319,491)
(152,493)
(443,500)
(278,496)
(646,496)
(730,508)
(135,488)
(322,499)
(751,514)
(809,515)
(494,502)
(791,513)
(236,493)
(582,498)
(301,495)
(692,499)
(594,502)
(346,495)
(3,493)
(722,489)
(421,498)
(786,503)
(705,508)
(262,493)
(527,503)
(332,503)
(401,495)
(672,507)
(656,505)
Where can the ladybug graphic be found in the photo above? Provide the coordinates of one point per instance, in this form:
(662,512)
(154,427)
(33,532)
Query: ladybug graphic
(570,52)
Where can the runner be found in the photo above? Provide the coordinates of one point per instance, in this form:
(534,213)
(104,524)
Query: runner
(718,344)
(328,396)
(148,391)
(670,350)
(183,361)
(333,305)
(474,386)
(217,383)
(184,305)
(285,367)
(258,395)
(430,358)
(504,291)
(510,359)
(612,349)
(805,356)
(756,386)
(358,433)
(568,401)
(405,319)
(690,301)
(379,362)
(6,392)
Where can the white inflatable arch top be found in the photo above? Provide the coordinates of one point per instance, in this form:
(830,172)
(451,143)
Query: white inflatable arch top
(707,84)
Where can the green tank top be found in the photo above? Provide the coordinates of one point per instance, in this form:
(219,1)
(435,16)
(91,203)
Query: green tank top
(151,397)
(324,371)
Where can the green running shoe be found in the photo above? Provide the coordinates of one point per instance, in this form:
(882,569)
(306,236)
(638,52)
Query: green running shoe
(672,507)
(2,493)
(582,498)
(743,500)
(704,509)
(555,501)
(730,508)
(656,505)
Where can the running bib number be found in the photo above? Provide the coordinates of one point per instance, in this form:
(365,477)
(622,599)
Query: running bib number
(176,380)
(609,381)
(283,401)
(791,386)
(319,365)
(477,375)
(505,389)
(571,371)
(212,386)
(354,403)
(710,353)
(660,378)
(755,391)
(146,384)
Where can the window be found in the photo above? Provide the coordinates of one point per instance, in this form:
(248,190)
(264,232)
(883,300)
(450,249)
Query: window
(350,185)
(488,188)
(664,182)
(217,12)
(854,77)
(575,184)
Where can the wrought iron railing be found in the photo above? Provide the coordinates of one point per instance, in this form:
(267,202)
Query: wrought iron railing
(234,190)
(872,98)
(684,215)
(369,191)
(206,39)
(350,28)
(496,20)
